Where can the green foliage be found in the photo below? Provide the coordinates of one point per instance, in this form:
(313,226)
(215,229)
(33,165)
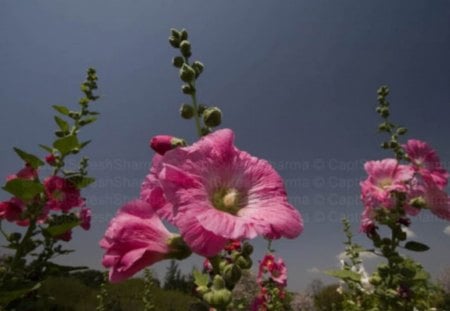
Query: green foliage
(24,189)
(31,159)
(328,299)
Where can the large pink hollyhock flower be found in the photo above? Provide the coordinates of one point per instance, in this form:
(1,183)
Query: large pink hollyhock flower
(426,162)
(219,193)
(62,194)
(135,239)
(385,176)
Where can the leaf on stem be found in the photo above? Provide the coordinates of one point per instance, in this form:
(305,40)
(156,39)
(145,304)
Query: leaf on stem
(31,159)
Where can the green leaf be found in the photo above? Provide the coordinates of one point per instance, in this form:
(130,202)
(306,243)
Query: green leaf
(8,296)
(66,144)
(87,120)
(81,181)
(344,275)
(31,159)
(63,125)
(85,143)
(416,246)
(200,279)
(23,189)
(61,109)
(56,230)
(46,148)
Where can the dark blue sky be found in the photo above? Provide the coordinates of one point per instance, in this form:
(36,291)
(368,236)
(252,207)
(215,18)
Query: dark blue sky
(296,80)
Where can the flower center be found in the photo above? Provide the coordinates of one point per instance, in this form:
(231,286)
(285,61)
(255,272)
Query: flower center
(383,183)
(226,200)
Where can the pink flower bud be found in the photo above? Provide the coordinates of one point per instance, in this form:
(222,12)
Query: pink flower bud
(50,159)
(163,143)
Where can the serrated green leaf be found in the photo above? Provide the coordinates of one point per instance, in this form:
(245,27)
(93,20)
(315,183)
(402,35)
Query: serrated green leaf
(63,125)
(81,182)
(344,275)
(46,148)
(56,230)
(31,159)
(416,246)
(61,109)
(66,144)
(200,279)
(23,189)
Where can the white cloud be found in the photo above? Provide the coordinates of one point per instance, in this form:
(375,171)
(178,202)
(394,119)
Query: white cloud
(363,255)
(447,230)
(409,233)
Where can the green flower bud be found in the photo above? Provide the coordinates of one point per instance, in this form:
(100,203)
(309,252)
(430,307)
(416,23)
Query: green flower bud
(174,42)
(186,111)
(244,262)
(205,131)
(198,67)
(212,117)
(84,101)
(187,74)
(232,274)
(218,283)
(187,89)
(202,290)
(418,202)
(247,249)
(402,131)
(178,61)
(384,112)
(175,33)
(185,48)
(222,265)
(183,34)
(178,248)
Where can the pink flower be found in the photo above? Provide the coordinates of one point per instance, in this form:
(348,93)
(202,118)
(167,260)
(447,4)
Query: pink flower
(50,159)
(276,269)
(62,194)
(438,202)
(28,172)
(219,193)
(66,236)
(135,239)
(385,176)
(85,218)
(11,210)
(426,162)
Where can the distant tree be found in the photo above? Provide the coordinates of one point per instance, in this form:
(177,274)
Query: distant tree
(90,278)
(175,280)
(328,299)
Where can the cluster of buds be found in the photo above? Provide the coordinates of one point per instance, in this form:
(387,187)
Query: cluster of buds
(223,272)
(189,73)
(272,281)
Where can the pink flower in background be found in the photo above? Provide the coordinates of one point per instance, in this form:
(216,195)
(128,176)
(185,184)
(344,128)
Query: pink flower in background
(135,239)
(28,172)
(438,202)
(11,210)
(62,194)
(85,216)
(276,268)
(219,193)
(426,162)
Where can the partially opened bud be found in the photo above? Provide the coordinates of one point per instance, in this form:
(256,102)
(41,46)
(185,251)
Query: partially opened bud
(163,143)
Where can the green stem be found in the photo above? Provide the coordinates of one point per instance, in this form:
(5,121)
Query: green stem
(20,251)
(196,116)
(3,232)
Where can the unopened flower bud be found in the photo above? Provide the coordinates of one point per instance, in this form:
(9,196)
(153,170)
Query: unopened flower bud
(174,42)
(50,159)
(163,143)
(178,61)
(402,130)
(185,48)
(186,111)
(175,33)
(384,112)
(202,290)
(187,74)
(183,34)
(178,248)
(244,262)
(218,298)
(247,249)
(232,274)
(198,67)
(418,202)
(205,131)
(212,117)
(187,89)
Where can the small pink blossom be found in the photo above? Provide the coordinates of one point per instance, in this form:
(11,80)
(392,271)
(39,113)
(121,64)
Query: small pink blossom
(276,269)
(11,210)
(28,172)
(50,159)
(219,193)
(85,216)
(135,239)
(426,162)
(62,194)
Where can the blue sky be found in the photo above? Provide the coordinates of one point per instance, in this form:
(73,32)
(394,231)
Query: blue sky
(296,81)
